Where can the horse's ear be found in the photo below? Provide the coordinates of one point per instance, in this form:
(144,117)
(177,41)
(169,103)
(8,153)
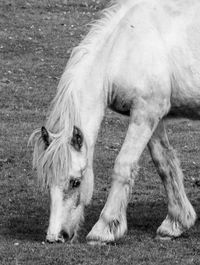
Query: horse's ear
(77,139)
(45,136)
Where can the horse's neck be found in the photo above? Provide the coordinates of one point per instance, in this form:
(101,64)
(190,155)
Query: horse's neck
(92,106)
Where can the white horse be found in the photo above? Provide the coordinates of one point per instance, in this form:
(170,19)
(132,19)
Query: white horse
(142,59)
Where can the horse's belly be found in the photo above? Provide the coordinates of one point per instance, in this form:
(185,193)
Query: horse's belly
(185,96)
(185,68)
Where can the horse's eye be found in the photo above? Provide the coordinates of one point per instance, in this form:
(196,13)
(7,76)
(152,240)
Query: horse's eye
(75,183)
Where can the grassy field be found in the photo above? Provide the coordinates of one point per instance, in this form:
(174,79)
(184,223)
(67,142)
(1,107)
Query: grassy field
(36,38)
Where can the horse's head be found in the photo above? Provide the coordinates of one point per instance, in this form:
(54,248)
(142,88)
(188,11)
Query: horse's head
(61,163)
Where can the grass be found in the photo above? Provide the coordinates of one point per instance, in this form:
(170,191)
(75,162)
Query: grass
(36,41)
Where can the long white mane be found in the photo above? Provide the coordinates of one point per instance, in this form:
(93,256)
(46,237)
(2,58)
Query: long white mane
(64,112)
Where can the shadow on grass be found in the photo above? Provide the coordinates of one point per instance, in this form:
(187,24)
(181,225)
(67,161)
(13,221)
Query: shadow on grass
(30,220)
(146,216)
(25,228)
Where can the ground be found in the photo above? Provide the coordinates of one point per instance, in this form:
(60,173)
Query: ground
(36,38)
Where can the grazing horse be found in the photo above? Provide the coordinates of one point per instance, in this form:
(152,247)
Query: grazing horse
(142,59)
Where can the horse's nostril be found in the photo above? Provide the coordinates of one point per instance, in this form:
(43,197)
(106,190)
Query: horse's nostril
(65,235)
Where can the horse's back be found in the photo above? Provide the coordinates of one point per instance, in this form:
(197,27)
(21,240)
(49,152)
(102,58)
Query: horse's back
(156,44)
(182,42)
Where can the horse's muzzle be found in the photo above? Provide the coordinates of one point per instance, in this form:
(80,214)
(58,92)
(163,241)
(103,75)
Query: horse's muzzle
(52,239)
(61,238)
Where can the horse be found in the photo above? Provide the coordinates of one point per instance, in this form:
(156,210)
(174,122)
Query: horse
(141,58)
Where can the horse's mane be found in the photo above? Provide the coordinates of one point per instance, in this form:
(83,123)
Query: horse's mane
(64,111)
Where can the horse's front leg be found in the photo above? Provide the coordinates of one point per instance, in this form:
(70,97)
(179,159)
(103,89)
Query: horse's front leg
(112,223)
(181,215)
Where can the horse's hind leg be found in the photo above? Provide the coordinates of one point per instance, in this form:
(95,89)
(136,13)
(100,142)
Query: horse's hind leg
(181,215)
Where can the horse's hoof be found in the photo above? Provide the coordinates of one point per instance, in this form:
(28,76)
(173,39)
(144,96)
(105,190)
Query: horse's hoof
(103,232)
